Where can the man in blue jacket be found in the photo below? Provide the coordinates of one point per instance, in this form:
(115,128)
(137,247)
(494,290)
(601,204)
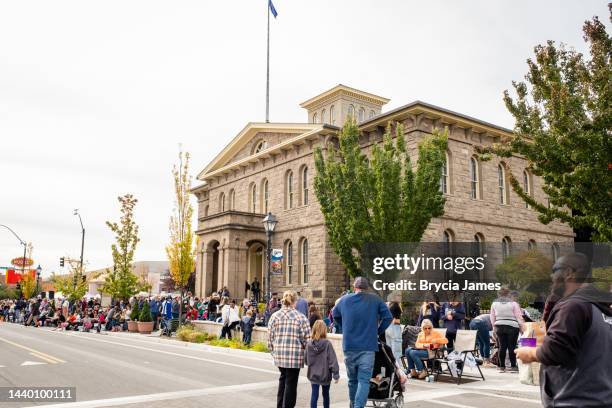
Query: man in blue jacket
(363,316)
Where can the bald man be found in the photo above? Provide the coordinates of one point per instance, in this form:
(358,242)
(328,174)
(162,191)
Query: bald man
(577,349)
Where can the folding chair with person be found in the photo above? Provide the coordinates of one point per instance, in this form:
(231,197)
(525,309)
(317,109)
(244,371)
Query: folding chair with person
(464,354)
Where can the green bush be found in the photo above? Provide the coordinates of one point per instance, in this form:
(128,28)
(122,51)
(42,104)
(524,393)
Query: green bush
(260,347)
(135,314)
(197,337)
(526,298)
(145,313)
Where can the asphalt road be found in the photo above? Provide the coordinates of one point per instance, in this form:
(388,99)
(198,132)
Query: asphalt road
(121,369)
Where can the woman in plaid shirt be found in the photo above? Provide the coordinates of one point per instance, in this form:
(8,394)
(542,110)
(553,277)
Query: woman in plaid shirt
(288,333)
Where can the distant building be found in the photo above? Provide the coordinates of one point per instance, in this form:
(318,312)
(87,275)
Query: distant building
(151,272)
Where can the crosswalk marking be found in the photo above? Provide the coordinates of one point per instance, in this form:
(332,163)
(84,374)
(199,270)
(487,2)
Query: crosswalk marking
(31,363)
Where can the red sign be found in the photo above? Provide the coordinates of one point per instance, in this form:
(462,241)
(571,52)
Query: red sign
(22,262)
(13,276)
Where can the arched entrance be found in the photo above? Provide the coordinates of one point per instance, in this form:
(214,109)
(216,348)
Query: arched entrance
(255,264)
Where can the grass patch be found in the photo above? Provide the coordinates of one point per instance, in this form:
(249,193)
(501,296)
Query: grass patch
(189,334)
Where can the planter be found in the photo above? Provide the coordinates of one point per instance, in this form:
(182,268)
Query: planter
(145,327)
(132,326)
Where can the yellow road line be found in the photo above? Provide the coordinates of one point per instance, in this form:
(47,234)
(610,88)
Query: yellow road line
(48,360)
(40,353)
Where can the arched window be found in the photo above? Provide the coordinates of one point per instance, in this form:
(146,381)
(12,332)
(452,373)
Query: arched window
(506,247)
(531,245)
(289,189)
(232,200)
(314,118)
(445,178)
(361,114)
(265,195)
(555,251)
(259,146)
(474,179)
(351,111)
(305,186)
(501,182)
(372,114)
(448,237)
(253,198)
(289,262)
(304,260)
(323,117)
(332,115)
(527,185)
(222,202)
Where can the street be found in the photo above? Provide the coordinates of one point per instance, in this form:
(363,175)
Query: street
(121,369)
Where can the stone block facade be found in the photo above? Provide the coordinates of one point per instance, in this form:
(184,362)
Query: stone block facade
(243,184)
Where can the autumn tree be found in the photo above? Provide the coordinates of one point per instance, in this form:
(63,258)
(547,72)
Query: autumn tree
(381,199)
(525,271)
(121,282)
(28,285)
(563,114)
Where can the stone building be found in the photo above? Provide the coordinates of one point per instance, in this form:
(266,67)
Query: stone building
(269,167)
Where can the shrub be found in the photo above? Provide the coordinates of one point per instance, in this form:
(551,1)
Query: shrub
(145,313)
(197,337)
(260,347)
(134,315)
(184,332)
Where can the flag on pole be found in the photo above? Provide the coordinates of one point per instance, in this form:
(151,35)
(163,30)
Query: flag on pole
(272,9)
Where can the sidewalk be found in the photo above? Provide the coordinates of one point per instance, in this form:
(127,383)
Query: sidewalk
(499,383)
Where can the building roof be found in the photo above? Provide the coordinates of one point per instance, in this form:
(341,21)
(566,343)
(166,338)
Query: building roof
(346,90)
(247,133)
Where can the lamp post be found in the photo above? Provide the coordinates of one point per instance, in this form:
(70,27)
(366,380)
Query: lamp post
(38,271)
(76,212)
(269,223)
(22,242)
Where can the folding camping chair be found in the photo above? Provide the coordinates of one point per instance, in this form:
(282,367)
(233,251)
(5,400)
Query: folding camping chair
(428,362)
(465,344)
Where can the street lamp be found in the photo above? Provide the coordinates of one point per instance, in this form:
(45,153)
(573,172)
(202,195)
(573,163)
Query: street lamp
(269,223)
(76,212)
(22,242)
(38,271)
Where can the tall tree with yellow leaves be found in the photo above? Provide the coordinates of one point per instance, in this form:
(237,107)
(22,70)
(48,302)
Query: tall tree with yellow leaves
(181,249)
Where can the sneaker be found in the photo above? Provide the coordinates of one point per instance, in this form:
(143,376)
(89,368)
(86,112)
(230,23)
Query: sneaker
(513,370)
(501,369)
(422,374)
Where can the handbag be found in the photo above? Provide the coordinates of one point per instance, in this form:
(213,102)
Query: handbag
(495,358)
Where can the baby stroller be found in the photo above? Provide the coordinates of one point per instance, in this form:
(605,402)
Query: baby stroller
(385,384)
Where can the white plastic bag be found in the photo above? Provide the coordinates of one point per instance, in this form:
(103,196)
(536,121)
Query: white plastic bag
(525,373)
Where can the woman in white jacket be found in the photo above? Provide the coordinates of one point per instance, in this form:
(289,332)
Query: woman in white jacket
(230,319)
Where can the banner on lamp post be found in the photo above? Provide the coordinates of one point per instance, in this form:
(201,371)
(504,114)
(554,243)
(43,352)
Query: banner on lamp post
(277,262)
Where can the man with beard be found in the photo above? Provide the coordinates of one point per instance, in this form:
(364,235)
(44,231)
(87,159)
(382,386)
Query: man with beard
(575,354)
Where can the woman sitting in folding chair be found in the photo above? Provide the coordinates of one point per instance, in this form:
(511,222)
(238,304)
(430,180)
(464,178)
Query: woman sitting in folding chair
(428,339)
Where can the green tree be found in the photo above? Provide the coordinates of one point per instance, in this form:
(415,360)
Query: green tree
(378,200)
(145,313)
(7,292)
(563,116)
(72,285)
(121,282)
(135,313)
(602,278)
(526,271)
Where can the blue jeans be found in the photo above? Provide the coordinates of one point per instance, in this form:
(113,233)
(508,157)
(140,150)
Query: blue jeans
(359,367)
(314,395)
(482,337)
(414,358)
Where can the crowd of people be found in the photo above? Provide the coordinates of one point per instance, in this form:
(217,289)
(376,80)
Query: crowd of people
(577,317)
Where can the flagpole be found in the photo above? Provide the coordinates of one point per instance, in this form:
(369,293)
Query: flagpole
(268,68)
